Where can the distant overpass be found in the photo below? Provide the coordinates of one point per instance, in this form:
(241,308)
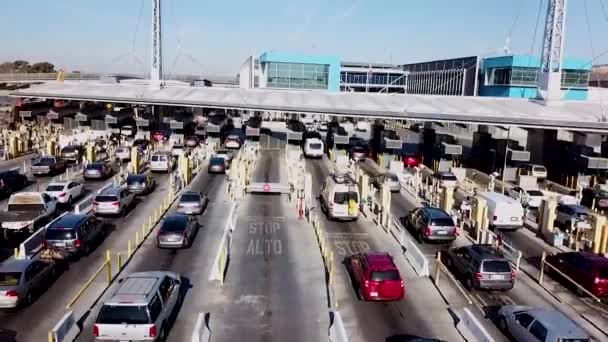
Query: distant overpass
(572,115)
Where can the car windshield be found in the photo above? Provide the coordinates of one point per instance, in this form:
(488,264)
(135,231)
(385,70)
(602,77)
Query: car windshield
(572,340)
(344,197)
(136,179)
(69,149)
(47,161)
(316,146)
(127,314)
(384,275)
(393,178)
(535,193)
(448,176)
(496,266)
(190,198)
(106,198)
(59,234)
(54,188)
(122,150)
(446,221)
(159,157)
(539,169)
(216,161)
(94,167)
(174,223)
(222,152)
(10,278)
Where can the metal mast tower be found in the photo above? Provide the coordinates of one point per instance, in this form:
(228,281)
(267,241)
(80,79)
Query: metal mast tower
(156,57)
(550,76)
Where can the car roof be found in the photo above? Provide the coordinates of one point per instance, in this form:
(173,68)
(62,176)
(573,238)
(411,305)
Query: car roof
(136,175)
(68,220)
(191,193)
(379,260)
(58,184)
(15,265)
(557,322)
(495,196)
(435,212)
(113,190)
(487,251)
(596,258)
(176,218)
(136,288)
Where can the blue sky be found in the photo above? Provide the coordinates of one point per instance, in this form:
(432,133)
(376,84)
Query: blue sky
(214,37)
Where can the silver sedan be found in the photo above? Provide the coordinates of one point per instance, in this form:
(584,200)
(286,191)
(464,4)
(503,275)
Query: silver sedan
(192,203)
(177,231)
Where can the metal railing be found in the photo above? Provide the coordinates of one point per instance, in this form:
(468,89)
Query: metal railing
(51,76)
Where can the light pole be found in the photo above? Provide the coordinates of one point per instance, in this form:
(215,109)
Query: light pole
(504,167)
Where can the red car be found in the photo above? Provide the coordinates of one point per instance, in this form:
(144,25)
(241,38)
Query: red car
(411,160)
(377,277)
(160,135)
(586,269)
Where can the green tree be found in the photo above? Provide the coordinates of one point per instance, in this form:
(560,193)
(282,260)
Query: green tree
(42,67)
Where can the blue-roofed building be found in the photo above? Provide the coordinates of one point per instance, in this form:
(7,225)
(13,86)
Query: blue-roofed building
(517,76)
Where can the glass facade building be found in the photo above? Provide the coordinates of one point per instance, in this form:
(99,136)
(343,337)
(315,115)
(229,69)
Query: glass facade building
(297,75)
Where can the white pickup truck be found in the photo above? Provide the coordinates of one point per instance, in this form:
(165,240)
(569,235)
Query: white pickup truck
(27,212)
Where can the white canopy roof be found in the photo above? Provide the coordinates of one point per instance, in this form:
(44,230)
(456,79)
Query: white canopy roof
(576,115)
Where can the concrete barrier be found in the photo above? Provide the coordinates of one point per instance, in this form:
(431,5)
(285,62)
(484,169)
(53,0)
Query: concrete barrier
(470,327)
(337,332)
(201,331)
(84,206)
(413,254)
(66,329)
(218,270)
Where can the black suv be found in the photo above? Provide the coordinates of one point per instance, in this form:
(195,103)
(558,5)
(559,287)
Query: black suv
(74,234)
(481,267)
(430,224)
(11,181)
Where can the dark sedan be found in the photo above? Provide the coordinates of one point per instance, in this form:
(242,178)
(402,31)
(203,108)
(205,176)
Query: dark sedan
(177,231)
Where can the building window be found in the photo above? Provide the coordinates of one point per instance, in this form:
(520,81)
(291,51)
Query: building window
(499,76)
(575,78)
(524,76)
(297,75)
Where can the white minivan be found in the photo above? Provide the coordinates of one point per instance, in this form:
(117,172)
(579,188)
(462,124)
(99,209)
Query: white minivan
(504,212)
(313,148)
(340,198)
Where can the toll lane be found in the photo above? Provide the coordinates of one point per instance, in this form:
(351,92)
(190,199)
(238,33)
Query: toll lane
(275,284)
(50,306)
(193,263)
(422,313)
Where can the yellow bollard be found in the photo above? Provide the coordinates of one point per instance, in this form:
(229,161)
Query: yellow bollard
(542,267)
(155,215)
(109,263)
(150,222)
(16,253)
(119,257)
(143,230)
(51,339)
(136,239)
(438,267)
(129,249)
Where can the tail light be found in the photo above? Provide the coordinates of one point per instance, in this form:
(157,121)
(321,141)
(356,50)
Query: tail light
(62,194)
(11,293)
(95,330)
(596,280)
(43,244)
(478,275)
(495,218)
(116,204)
(427,231)
(77,243)
(512,275)
(366,283)
(402,283)
(152,331)
(456,231)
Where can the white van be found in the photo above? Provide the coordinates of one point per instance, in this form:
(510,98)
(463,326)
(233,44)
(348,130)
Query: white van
(161,162)
(313,148)
(340,197)
(504,212)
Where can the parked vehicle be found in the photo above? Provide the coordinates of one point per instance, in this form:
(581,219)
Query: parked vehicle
(431,224)
(233,141)
(97,171)
(11,181)
(359,153)
(27,211)
(113,201)
(140,184)
(192,203)
(192,141)
(161,135)
(313,148)
(161,161)
(566,215)
(481,267)
(75,235)
(503,211)
(217,165)
(48,166)
(526,324)
(340,198)
(128,131)
(538,171)
(140,308)
(72,154)
(226,154)
(391,180)
(531,198)
(176,231)
(587,269)
(21,280)
(64,192)
(376,277)
(141,144)
(446,179)
(411,160)
(123,154)
(596,197)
